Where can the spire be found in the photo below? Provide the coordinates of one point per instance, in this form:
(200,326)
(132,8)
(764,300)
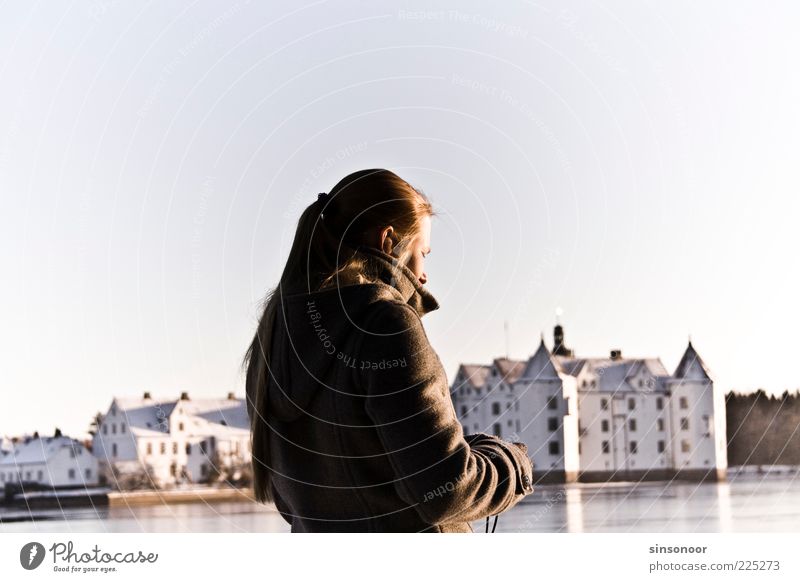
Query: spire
(559,349)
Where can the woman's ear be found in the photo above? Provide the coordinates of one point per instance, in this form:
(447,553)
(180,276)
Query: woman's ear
(387,240)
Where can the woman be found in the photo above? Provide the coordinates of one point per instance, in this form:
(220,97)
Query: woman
(352,424)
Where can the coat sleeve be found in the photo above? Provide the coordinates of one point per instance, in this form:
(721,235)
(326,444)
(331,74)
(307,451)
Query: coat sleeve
(447,478)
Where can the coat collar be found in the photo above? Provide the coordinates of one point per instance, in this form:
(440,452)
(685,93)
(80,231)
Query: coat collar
(389,270)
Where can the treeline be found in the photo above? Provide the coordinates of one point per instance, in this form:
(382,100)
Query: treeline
(763,429)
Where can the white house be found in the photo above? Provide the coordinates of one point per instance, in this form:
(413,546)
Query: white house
(593,419)
(56,461)
(176,440)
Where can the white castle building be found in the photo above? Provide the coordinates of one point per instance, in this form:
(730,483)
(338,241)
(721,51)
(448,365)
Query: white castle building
(175,441)
(599,419)
(56,461)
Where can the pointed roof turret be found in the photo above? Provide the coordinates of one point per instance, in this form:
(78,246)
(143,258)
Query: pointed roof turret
(541,364)
(692,366)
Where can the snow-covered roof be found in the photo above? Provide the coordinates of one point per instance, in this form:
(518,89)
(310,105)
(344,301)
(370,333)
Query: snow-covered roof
(149,417)
(474,374)
(609,374)
(613,374)
(37,450)
(218,416)
(508,369)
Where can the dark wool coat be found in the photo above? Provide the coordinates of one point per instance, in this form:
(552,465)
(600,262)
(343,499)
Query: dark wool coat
(364,434)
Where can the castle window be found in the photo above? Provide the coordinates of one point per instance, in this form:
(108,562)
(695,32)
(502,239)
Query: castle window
(175,448)
(163,448)
(105,429)
(604,403)
(660,446)
(552,423)
(122,428)
(463,410)
(498,429)
(604,425)
(552,403)
(660,424)
(659,403)
(70,473)
(685,446)
(685,423)
(113,449)
(149,448)
(631,403)
(113,429)
(188,448)
(495,408)
(553,447)
(606,448)
(632,424)
(684,403)
(633,446)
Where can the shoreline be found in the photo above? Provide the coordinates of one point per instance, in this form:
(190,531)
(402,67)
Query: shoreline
(176,496)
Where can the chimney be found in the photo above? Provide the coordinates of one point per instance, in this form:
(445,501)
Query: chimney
(231,396)
(616,354)
(146,396)
(57,433)
(184,396)
(36,434)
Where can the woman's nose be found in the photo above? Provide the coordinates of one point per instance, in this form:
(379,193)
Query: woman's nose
(423,278)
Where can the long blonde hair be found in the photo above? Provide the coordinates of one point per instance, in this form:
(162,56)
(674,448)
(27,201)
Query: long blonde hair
(359,203)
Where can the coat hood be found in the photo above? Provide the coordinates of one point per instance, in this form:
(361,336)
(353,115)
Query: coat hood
(313,331)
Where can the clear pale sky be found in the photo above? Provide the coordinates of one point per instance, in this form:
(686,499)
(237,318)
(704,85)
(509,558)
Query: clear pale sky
(634,164)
